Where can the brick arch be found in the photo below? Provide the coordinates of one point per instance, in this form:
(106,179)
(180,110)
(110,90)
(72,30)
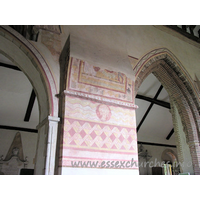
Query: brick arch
(179,85)
(173,62)
(171,154)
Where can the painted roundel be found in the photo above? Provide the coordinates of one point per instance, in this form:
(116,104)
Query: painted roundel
(103,112)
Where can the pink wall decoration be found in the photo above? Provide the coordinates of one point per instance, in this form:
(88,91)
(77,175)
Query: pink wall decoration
(103,112)
(98,137)
(91,81)
(96,128)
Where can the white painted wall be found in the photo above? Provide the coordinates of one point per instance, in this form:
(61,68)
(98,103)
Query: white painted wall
(109,46)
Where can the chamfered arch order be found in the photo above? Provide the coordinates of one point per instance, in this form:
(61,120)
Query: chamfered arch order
(181,89)
(22,53)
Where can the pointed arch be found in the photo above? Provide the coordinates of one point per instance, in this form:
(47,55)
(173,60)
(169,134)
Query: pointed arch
(170,59)
(181,89)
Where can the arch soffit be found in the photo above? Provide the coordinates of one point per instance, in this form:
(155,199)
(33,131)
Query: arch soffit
(38,62)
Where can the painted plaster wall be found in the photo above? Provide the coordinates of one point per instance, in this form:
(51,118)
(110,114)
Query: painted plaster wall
(51,56)
(29,142)
(110,46)
(99,122)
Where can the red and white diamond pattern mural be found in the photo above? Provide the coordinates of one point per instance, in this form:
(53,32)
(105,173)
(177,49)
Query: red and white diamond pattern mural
(98,136)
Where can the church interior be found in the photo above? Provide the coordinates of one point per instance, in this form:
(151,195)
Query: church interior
(99,94)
